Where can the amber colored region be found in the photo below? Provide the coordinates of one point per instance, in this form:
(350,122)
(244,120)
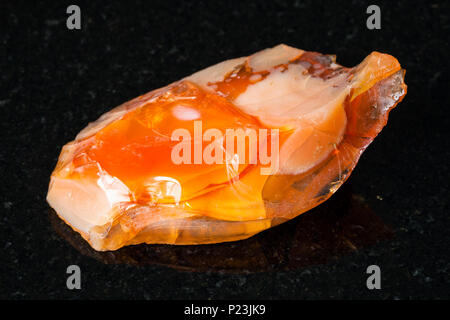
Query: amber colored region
(209,203)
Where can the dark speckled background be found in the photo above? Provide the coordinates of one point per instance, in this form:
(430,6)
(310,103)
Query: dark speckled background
(393,211)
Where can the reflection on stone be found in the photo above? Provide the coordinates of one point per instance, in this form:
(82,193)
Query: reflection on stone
(341,225)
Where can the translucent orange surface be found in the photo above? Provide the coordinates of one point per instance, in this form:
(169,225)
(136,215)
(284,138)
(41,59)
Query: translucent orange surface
(146,197)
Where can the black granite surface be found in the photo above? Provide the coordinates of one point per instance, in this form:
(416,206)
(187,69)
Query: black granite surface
(392,212)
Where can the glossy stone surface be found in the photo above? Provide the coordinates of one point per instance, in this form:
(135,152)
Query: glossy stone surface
(117,183)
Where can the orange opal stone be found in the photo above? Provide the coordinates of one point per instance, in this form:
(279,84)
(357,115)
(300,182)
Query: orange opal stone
(225,153)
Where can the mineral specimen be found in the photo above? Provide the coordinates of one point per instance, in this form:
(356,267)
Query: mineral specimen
(225,153)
